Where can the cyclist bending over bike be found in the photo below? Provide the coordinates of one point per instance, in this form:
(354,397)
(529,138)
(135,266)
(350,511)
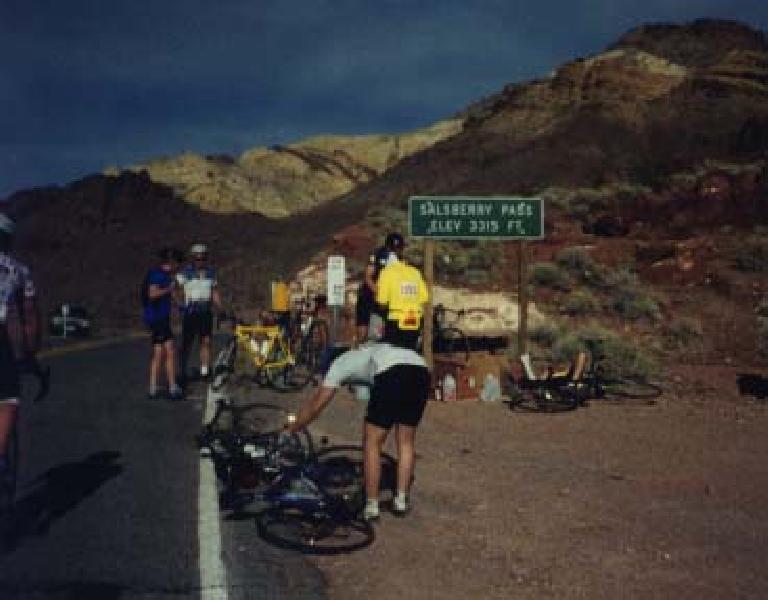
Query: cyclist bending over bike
(18,309)
(400,381)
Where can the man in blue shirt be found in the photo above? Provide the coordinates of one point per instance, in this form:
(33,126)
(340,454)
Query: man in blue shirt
(157,294)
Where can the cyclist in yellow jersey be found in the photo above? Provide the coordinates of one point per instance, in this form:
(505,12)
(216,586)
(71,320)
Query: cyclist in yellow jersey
(402,294)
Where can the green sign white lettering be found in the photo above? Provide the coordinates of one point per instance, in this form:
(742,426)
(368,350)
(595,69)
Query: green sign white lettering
(468,217)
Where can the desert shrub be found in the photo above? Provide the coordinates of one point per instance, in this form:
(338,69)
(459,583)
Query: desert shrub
(545,334)
(575,258)
(623,356)
(477,277)
(634,304)
(621,279)
(566,347)
(752,254)
(580,302)
(548,274)
(683,332)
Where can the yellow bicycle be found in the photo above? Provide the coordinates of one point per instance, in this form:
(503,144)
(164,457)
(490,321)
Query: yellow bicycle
(266,353)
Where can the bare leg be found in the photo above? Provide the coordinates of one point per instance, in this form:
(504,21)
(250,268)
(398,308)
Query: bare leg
(405,456)
(169,351)
(187,338)
(7,421)
(373,440)
(205,351)
(154,366)
(362,334)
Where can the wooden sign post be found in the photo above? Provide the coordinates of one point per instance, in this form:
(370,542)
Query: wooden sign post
(522,297)
(429,278)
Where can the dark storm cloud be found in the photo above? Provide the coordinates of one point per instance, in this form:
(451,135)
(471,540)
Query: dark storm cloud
(87,83)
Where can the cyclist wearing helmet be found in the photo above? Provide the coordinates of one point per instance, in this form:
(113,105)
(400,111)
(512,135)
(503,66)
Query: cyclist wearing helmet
(366,294)
(399,381)
(157,298)
(18,308)
(200,295)
(401,293)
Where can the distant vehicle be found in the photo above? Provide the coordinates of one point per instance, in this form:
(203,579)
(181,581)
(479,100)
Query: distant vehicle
(69,320)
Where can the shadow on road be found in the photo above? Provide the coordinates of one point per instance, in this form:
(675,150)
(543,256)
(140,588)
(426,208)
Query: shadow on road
(56,492)
(77,590)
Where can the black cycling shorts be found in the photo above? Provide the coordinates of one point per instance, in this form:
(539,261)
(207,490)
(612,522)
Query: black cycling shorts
(160,331)
(402,338)
(197,324)
(366,304)
(399,396)
(10,388)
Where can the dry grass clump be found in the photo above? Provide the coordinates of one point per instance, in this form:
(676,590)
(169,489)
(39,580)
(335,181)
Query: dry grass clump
(550,275)
(751,254)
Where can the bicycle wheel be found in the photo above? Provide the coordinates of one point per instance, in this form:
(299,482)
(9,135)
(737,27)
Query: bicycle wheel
(543,399)
(313,533)
(452,343)
(8,476)
(286,378)
(629,389)
(312,348)
(338,471)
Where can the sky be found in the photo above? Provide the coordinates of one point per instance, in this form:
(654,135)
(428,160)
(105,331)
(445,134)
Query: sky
(86,84)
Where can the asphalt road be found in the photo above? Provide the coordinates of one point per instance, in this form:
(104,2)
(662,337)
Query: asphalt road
(114,504)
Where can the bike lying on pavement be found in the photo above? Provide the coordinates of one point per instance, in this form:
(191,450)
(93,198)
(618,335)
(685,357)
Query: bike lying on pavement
(307,501)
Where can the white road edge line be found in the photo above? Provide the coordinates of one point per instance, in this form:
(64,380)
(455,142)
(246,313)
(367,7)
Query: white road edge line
(213,574)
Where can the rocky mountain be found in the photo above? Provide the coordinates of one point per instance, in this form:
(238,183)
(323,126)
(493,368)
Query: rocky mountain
(284,180)
(661,100)
(660,142)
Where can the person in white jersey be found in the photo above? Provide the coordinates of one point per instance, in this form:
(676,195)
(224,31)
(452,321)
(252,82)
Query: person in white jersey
(400,386)
(18,309)
(200,295)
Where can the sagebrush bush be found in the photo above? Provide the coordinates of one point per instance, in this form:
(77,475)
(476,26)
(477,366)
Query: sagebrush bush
(752,254)
(545,334)
(579,303)
(634,304)
(681,333)
(548,274)
(623,356)
(576,259)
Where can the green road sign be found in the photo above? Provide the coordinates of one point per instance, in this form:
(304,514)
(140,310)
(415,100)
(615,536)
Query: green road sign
(468,217)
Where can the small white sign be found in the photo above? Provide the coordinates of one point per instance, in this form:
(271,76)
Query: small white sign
(337,276)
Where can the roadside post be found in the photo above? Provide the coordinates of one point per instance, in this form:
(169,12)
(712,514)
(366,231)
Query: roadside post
(64,315)
(507,218)
(336,292)
(429,279)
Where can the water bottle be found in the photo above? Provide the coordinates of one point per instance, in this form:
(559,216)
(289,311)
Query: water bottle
(491,389)
(449,388)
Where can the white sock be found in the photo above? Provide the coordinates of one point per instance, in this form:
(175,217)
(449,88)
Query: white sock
(204,370)
(401,496)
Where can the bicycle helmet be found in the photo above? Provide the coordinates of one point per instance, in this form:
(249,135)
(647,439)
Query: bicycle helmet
(394,241)
(198,250)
